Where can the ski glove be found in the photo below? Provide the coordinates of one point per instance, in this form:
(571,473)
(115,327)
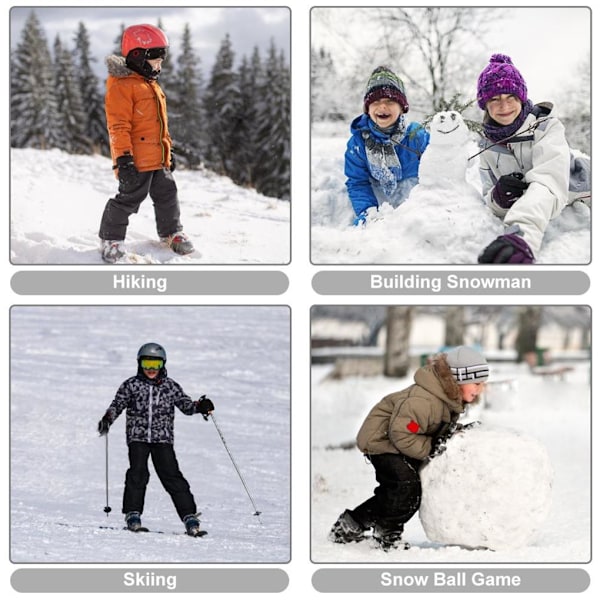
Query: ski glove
(104,425)
(173,163)
(204,406)
(508,189)
(440,442)
(128,174)
(360,219)
(507,249)
(473,424)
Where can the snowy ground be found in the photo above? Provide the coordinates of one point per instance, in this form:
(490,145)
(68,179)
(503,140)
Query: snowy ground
(556,413)
(434,233)
(63,381)
(57,201)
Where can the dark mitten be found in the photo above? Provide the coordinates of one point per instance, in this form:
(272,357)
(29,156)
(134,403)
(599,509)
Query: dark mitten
(508,249)
(173,163)
(128,174)
(204,406)
(104,425)
(440,441)
(508,189)
(461,427)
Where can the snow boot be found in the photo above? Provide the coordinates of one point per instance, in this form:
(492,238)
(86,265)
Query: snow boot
(112,250)
(389,539)
(134,522)
(192,526)
(179,243)
(346,529)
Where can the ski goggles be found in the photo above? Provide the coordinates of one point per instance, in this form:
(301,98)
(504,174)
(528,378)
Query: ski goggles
(154,53)
(152,364)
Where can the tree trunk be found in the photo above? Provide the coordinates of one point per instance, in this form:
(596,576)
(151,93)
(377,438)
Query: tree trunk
(397,357)
(455,325)
(529,324)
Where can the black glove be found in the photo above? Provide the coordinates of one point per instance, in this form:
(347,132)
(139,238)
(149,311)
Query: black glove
(204,406)
(104,425)
(440,441)
(510,248)
(128,174)
(508,189)
(461,427)
(173,163)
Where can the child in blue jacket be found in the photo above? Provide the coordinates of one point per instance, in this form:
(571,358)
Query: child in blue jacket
(382,156)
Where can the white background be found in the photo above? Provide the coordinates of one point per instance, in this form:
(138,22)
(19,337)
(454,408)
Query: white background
(299,297)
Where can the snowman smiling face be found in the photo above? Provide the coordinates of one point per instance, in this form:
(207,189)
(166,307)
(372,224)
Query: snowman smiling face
(448,128)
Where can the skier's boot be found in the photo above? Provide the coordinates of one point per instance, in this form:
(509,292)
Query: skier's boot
(389,539)
(179,243)
(192,526)
(112,250)
(134,521)
(346,529)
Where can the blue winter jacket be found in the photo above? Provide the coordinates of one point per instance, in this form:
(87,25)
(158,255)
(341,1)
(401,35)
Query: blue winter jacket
(150,406)
(363,176)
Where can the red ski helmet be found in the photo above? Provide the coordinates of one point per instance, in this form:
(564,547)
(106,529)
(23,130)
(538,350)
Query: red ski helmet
(143,36)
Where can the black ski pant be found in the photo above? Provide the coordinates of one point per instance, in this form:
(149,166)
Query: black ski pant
(397,497)
(161,187)
(167,469)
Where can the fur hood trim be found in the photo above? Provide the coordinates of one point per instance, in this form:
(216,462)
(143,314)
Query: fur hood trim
(117,66)
(451,388)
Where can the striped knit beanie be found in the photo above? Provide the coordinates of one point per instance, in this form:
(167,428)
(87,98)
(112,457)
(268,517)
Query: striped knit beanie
(467,365)
(384,83)
(500,77)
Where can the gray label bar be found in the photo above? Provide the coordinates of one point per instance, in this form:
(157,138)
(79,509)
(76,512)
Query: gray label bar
(155,283)
(149,580)
(451,580)
(490,282)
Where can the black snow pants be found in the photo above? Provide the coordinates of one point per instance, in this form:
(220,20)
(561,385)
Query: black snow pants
(397,497)
(167,469)
(161,187)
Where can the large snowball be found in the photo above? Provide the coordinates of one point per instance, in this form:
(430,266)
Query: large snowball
(490,489)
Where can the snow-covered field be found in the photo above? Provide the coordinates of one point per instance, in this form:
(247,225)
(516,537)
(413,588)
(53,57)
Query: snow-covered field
(66,364)
(57,200)
(556,413)
(429,228)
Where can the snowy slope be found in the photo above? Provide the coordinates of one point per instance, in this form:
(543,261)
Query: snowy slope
(554,412)
(57,200)
(66,365)
(434,231)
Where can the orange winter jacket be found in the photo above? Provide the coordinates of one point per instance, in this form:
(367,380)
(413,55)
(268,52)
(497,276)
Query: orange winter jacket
(136,117)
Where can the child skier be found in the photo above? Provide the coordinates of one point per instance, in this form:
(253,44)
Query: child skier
(382,155)
(150,398)
(140,144)
(402,431)
(527,169)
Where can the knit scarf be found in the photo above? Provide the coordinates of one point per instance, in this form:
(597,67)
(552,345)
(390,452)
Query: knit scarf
(382,157)
(496,132)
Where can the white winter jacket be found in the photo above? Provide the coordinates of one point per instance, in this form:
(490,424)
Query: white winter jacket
(540,151)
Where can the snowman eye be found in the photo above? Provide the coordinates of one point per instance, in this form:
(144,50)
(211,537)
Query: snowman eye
(453,116)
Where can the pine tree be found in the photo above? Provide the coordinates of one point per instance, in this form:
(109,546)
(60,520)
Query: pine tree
(272,178)
(71,117)
(222,104)
(93,103)
(186,113)
(34,122)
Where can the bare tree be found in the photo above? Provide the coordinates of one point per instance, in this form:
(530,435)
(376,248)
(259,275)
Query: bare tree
(397,357)
(530,318)
(455,325)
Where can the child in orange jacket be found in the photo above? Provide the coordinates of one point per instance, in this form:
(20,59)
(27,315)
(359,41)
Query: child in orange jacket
(140,144)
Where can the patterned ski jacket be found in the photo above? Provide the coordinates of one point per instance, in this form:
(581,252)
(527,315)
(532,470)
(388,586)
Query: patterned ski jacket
(406,422)
(150,406)
(540,151)
(376,161)
(136,117)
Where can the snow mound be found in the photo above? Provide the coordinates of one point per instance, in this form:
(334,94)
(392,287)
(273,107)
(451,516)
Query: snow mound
(490,489)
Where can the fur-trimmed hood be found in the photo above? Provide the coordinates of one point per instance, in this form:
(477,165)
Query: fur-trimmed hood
(117,67)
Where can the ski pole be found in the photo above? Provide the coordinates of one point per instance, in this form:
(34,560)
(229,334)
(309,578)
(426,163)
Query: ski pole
(107,507)
(256,511)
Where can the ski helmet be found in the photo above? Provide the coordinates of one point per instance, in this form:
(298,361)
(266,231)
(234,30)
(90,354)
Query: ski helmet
(152,350)
(143,37)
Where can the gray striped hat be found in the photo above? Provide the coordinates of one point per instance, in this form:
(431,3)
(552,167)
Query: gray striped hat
(467,365)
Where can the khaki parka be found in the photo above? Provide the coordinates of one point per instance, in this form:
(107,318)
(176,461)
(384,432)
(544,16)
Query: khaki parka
(407,421)
(136,117)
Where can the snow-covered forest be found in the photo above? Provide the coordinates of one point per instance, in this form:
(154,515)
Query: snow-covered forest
(237,123)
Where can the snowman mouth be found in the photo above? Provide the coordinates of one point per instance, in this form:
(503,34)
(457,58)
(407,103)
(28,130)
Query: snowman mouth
(449,131)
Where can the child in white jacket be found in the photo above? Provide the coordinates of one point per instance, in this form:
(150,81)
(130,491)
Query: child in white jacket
(527,170)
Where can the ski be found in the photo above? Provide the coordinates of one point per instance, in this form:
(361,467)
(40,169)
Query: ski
(201,533)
